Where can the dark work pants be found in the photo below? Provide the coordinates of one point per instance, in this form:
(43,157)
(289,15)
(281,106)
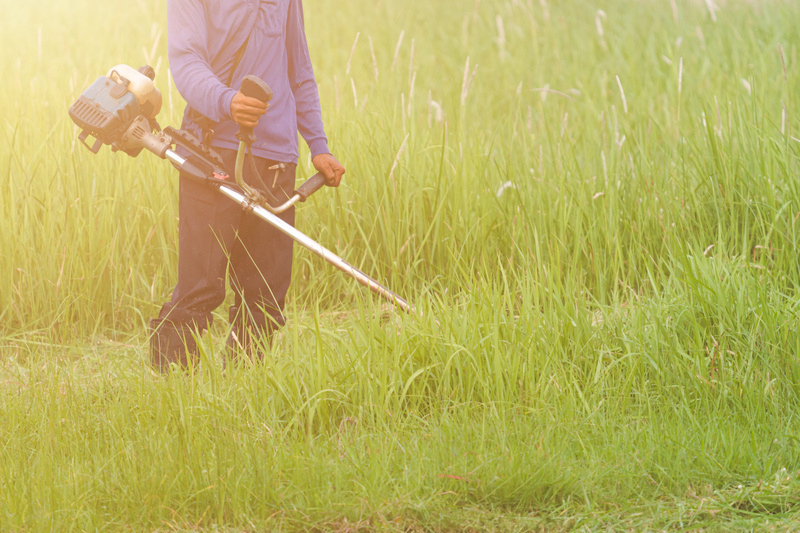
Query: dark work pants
(218,237)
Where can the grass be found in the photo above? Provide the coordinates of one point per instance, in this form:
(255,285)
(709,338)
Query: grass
(594,205)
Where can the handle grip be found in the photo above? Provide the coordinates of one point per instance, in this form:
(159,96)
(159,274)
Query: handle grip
(310,186)
(253,87)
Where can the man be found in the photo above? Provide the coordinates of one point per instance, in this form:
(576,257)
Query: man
(212,45)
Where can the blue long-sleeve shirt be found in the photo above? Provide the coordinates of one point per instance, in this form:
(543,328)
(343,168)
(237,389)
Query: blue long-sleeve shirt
(203,38)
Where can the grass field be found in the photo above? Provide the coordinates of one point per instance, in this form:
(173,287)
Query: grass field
(595,205)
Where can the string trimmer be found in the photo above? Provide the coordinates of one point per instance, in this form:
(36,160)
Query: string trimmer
(120,110)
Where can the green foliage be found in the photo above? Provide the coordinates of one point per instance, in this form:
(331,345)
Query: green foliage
(595,207)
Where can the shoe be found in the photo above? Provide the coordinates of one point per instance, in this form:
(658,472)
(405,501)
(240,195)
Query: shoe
(171,343)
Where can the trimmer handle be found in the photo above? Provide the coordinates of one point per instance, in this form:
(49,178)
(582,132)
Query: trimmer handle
(253,87)
(310,186)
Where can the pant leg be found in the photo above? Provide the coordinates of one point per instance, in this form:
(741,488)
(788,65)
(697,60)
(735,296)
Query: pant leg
(214,232)
(207,230)
(261,260)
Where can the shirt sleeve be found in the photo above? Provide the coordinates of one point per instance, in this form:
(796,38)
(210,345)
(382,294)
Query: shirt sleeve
(303,83)
(189,61)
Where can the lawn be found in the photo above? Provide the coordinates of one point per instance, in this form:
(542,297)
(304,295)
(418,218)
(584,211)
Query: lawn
(594,206)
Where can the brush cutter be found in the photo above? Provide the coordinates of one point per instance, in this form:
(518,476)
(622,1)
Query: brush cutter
(120,110)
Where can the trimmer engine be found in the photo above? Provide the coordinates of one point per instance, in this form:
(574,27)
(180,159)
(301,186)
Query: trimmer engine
(120,110)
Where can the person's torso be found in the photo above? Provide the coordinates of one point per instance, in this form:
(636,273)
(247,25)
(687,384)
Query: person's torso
(263,24)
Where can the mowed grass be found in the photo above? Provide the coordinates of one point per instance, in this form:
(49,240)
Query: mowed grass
(594,206)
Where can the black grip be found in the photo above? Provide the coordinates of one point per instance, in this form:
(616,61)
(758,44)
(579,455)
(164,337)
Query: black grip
(310,186)
(255,87)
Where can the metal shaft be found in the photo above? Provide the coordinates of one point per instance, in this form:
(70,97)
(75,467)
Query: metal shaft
(318,249)
(306,241)
(173,156)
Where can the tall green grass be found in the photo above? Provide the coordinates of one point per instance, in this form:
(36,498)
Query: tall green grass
(595,207)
